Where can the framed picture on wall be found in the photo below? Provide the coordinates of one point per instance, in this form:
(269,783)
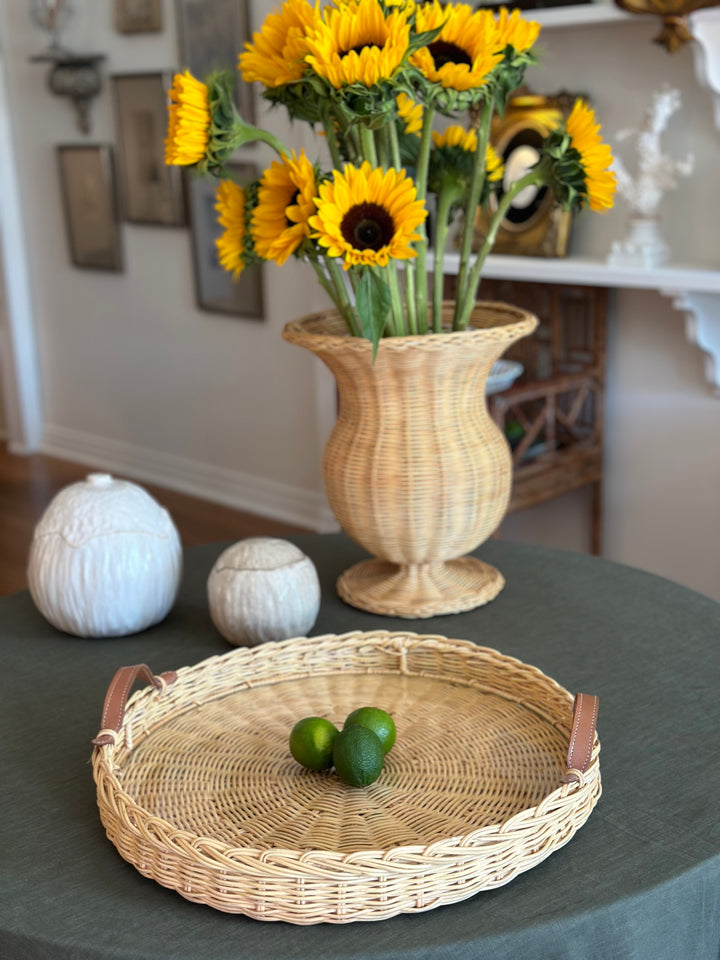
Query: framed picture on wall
(151,192)
(87,182)
(138,16)
(215,288)
(211,36)
(535,224)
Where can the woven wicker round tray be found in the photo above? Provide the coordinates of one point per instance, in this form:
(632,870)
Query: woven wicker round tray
(197,788)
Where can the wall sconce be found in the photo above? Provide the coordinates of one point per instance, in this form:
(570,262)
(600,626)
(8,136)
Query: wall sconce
(74,75)
(675,32)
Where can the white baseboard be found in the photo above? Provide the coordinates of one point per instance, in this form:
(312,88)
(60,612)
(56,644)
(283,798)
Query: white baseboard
(241,491)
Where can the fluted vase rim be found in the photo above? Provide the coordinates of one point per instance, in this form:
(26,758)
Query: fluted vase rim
(491,321)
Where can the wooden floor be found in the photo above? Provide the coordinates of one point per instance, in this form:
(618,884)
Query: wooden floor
(28,484)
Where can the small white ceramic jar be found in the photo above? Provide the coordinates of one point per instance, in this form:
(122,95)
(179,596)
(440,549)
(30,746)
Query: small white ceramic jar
(105,559)
(263,589)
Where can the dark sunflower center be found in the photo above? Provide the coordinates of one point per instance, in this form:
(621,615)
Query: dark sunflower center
(444,52)
(367,226)
(293,202)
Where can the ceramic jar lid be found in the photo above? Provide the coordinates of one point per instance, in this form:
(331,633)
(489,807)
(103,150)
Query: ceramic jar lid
(101,505)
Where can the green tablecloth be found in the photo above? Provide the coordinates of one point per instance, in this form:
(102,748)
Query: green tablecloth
(640,881)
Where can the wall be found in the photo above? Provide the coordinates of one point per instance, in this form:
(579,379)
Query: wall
(137,380)
(134,375)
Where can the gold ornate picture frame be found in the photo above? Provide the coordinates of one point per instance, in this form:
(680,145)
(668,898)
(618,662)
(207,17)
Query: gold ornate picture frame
(535,225)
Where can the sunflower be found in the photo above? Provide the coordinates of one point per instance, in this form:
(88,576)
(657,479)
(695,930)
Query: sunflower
(411,112)
(230,204)
(452,159)
(188,122)
(368,216)
(595,157)
(286,201)
(276,55)
(456,136)
(494,164)
(465,51)
(514,31)
(357,43)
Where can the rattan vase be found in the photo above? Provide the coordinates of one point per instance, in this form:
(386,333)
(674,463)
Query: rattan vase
(415,470)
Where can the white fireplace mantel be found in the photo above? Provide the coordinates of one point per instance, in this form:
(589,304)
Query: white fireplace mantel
(694,291)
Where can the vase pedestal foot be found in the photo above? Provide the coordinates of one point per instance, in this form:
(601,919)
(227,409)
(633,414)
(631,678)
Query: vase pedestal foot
(422,590)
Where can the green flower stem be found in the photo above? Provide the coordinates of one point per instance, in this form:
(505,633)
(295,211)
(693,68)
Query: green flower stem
(446,198)
(421,177)
(367,143)
(535,177)
(353,143)
(243,132)
(410,296)
(382,145)
(322,279)
(398,319)
(392,134)
(471,204)
(332,141)
(409,265)
(341,298)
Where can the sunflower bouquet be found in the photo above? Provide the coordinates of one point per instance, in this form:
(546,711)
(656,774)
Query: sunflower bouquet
(372,77)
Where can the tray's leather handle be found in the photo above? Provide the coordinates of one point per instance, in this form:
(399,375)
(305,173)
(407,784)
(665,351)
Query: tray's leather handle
(582,736)
(116,698)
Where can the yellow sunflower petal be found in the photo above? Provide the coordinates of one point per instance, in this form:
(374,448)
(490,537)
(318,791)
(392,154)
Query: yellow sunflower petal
(230,204)
(188,121)
(456,136)
(358,43)
(494,164)
(277,53)
(595,156)
(286,202)
(515,31)
(466,50)
(410,112)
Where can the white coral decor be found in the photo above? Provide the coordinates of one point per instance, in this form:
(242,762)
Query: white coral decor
(263,589)
(105,559)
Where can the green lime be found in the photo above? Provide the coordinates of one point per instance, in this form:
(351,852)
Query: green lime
(358,756)
(378,721)
(311,742)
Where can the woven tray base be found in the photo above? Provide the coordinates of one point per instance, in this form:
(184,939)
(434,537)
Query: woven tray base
(419,591)
(225,771)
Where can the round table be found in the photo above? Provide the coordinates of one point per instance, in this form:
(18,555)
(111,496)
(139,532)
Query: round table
(639,881)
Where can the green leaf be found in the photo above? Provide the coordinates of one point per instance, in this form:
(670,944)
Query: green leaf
(420,40)
(372,300)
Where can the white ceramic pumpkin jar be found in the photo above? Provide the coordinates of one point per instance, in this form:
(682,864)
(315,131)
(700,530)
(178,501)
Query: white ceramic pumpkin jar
(263,589)
(105,559)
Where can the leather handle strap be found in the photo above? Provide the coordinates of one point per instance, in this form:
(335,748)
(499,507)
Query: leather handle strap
(582,736)
(117,695)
